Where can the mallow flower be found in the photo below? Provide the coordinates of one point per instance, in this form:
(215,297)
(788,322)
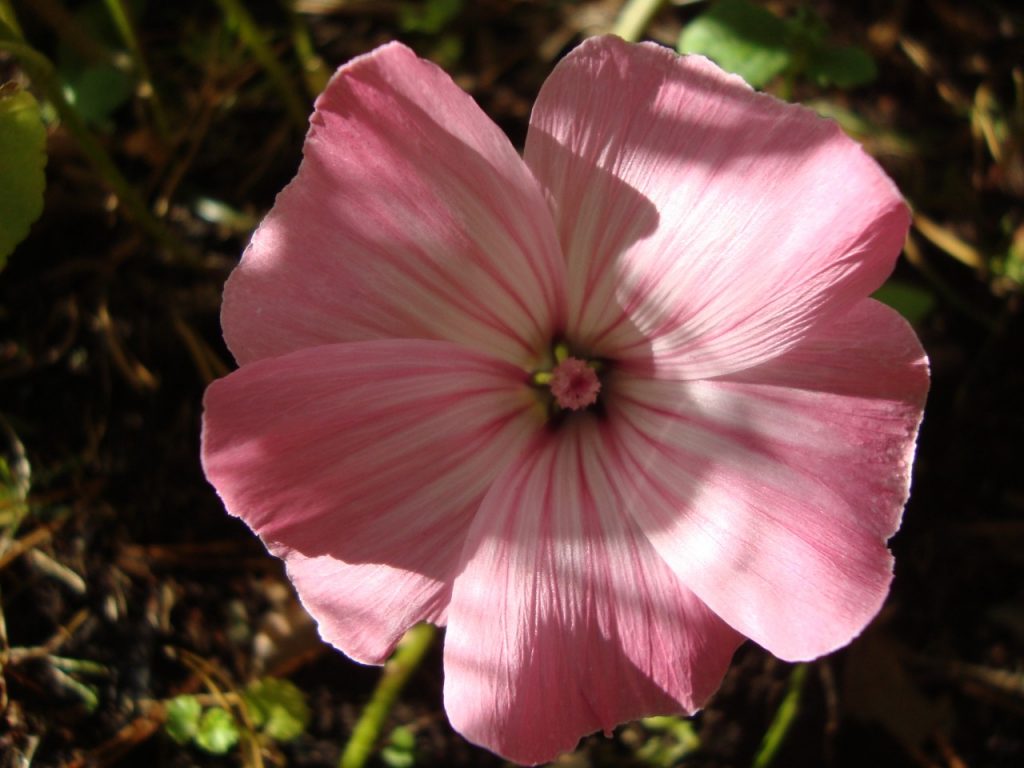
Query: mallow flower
(603,410)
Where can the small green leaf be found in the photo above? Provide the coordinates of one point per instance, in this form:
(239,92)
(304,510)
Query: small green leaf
(671,740)
(428,17)
(845,66)
(182,718)
(806,28)
(742,37)
(277,707)
(218,731)
(22,159)
(399,752)
(96,92)
(910,301)
(397,758)
(403,738)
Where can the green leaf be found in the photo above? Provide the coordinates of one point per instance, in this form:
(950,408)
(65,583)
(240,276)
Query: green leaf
(399,752)
(910,301)
(96,92)
(277,707)
(671,740)
(428,17)
(182,718)
(845,66)
(1013,265)
(218,731)
(22,159)
(807,29)
(95,74)
(396,758)
(403,738)
(742,37)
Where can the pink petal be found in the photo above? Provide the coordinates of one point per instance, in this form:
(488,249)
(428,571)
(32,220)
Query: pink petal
(705,226)
(362,464)
(772,493)
(411,216)
(564,620)
(363,609)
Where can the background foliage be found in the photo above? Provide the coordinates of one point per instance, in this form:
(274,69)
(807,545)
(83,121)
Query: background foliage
(140,625)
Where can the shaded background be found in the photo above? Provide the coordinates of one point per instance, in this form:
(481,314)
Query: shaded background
(122,581)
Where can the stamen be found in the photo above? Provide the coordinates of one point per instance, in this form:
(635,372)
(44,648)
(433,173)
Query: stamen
(574,384)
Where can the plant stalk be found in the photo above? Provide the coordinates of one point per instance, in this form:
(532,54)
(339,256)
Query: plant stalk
(783,720)
(119,15)
(634,18)
(399,668)
(253,37)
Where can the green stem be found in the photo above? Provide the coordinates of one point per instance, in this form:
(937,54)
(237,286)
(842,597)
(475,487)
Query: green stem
(119,15)
(252,36)
(314,69)
(8,17)
(784,719)
(366,734)
(44,77)
(634,18)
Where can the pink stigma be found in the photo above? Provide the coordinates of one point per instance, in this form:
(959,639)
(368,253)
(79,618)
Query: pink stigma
(574,384)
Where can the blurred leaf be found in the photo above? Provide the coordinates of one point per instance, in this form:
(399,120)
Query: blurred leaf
(95,81)
(673,738)
(182,723)
(742,37)
(15,471)
(218,732)
(403,738)
(845,66)
(1012,264)
(447,51)
(428,17)
(910,301)
(747,39)
(399,751)
(96,92)
(277,707)
(397,758)
(22,159)
(807,29)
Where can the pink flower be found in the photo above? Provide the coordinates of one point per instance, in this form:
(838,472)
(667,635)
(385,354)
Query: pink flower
(602,410)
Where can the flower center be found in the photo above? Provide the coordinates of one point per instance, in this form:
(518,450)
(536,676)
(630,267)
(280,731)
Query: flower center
(567,382)
(574,384)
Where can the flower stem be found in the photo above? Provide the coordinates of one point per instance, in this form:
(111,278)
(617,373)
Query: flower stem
(253,37)
(119,15)
(314,69)
(410,652)
(8,17)
(784,719)
(634,18)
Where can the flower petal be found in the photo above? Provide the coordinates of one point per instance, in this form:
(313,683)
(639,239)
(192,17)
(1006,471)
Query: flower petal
(411,217)
(704,224)
(364,609)
(362,464)
(564,620)
(778,488)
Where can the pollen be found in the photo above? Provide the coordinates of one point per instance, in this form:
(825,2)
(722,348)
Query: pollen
(574,384)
